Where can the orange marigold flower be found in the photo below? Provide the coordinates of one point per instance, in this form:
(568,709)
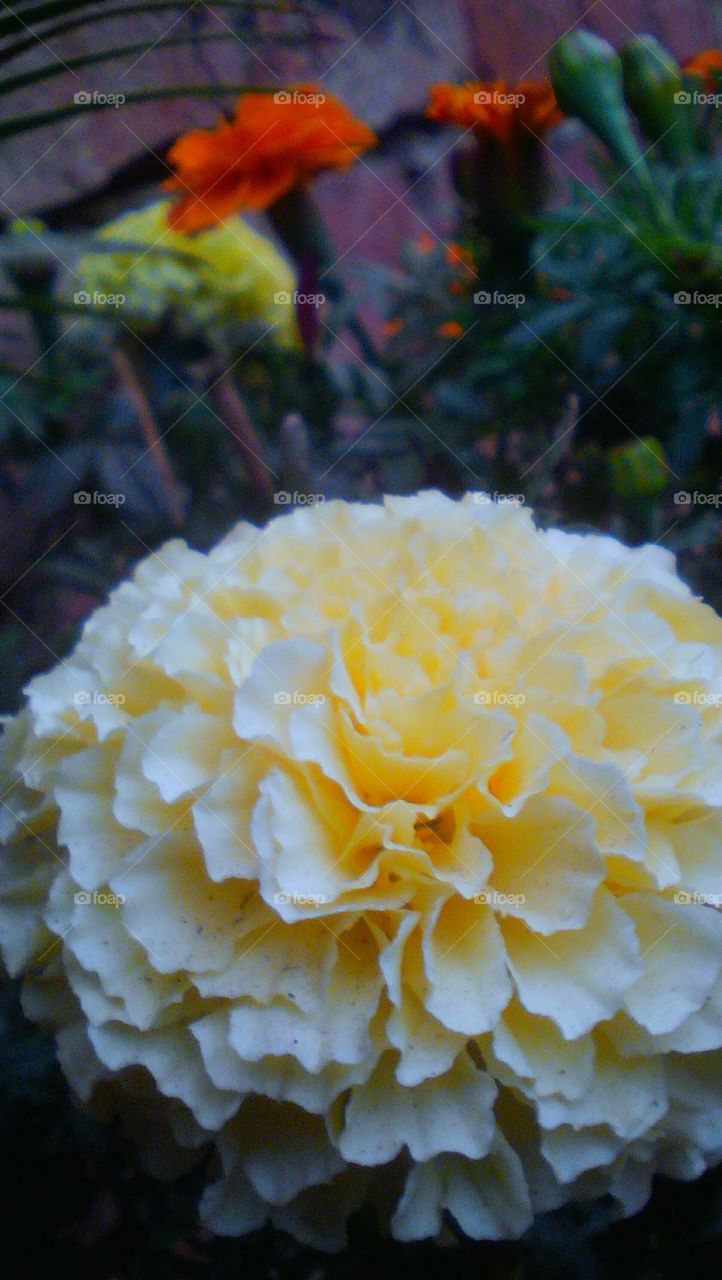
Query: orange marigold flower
(425,243)
(275,142)
(450,329)
(495,109)
(707,65)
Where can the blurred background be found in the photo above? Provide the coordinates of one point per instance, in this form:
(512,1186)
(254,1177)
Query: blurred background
(257,254)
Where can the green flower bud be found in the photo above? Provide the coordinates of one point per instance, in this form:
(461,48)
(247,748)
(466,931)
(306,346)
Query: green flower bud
(639,469)
(652,81)
(586,75)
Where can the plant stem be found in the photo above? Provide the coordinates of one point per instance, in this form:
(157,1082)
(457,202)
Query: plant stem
(232,410)
(128,376)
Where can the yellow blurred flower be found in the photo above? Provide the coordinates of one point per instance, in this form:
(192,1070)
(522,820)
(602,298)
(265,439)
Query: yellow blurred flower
(379,848)
(228,274)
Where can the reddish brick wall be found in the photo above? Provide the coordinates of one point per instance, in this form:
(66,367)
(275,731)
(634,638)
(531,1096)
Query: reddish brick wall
(381,59)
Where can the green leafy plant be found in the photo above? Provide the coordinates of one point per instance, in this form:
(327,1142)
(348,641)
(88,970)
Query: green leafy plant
(616,313)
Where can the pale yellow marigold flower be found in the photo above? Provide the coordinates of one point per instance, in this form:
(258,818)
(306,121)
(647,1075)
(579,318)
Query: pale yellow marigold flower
(378,850)
(228,274)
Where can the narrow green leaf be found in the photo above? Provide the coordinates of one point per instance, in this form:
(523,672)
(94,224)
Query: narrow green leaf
(22,124)
(88,60)
(119,11)
(20,21)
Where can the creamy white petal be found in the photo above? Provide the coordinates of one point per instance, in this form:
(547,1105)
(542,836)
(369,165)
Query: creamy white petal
(87,827)
(535,1051)
(336,1031)
(175,1063)
(682,954)
(578,977)
(547,866)
(466,968)
(488,1198)
(453,1112)
(180,918)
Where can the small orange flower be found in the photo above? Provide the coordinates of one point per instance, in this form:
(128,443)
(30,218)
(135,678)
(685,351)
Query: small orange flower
(707,65)
(275,142)
(450,329)
(391,327)
(425,243)
(495,109)
(457,255)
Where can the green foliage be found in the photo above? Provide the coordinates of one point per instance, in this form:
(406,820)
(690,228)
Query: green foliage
(614,324)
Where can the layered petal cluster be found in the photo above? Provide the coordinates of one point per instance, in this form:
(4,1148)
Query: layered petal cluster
(375,855)
(274,143)
(226,275)
(508,113)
